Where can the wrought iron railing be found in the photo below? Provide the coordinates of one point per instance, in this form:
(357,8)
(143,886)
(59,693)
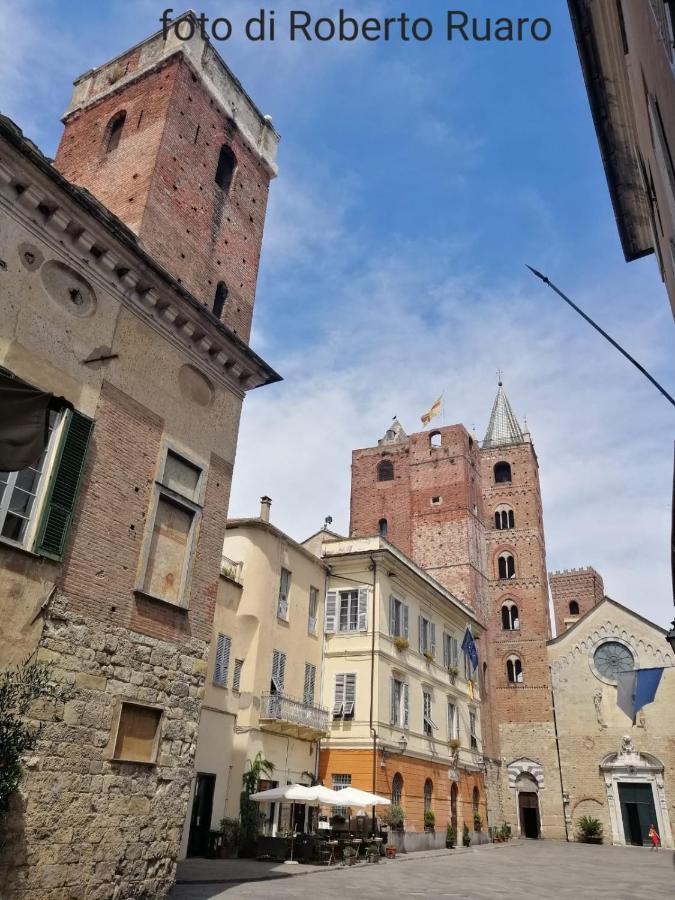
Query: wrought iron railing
(287,709)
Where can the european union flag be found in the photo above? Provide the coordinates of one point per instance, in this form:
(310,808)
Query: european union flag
(636,689)
(469,647)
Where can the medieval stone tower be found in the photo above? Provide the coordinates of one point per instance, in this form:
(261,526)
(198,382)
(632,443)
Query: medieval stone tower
(167,139)
(472,517)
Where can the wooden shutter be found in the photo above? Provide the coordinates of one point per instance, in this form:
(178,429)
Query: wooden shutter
(432,648)
(308,691)
(278,670)
(393,716)
(454,651)
(350,694)
(421,632)
(330,623)
(363,609)
(236,677)
(222,660)
(339,699)
(446,650)
(404,613)
(392,615)
(405,705)
(59,507)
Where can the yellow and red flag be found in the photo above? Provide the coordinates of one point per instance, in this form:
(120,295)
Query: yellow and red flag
(434,411)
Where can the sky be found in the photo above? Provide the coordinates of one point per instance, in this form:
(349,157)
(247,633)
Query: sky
(415,182)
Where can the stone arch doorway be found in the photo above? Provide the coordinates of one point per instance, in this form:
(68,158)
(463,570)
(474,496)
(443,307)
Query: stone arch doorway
(528,807)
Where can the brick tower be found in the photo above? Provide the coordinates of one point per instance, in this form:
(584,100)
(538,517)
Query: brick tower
(166,137)
(574,592)
(471,516)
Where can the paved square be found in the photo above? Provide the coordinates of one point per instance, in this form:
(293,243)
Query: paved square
(522,869)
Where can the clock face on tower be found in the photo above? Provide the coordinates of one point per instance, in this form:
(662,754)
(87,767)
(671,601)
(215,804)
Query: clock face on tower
(611,658)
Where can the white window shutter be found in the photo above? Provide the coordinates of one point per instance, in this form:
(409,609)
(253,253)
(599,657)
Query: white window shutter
(432,648)
(392,696)
(421,633)
(392,608)
(350,693)
(446,650)
(330,622)
(405,621)
(278,670)
(405,705)
(363,609)
(308,692)
(222,659)
(339,698)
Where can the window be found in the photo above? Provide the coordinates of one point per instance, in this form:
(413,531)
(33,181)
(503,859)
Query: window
(227,163)
(504,518)
(222,663)
(453,724)
(435,439)
(308,690)
(514,670)
(347,610)
(664,13)
(313,610)
(398,618)
(428,794)
(473,740)
(611,658)
(510,620)
(172,530)
(475,799)
(506,565)
(219,299)
(502,473)
(383,527)
(574,608)
(114,129)
(345,695)
(236,677)
(278,672)
(399,703)
(397,789)
(436,501)
(340,781)
(137,733)
(385,470)
(429,725)
(427,632)
(282,600)
(450,651)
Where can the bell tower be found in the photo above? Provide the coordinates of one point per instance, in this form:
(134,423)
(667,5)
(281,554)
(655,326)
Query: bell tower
(168,140)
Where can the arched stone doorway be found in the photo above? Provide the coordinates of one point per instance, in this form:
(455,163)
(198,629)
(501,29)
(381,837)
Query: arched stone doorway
(526,780)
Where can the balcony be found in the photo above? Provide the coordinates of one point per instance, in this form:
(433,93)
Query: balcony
(286,715)
(231,569)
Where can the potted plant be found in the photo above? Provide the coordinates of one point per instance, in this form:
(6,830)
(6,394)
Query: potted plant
(466,836)
(450,837)
(428,655)
(394,817)
(373,853)
(505,832)
(590,830)
(230,830)
(401,643)
(477,822)
(390,851)
(348,855)
(429,820)
(453,672)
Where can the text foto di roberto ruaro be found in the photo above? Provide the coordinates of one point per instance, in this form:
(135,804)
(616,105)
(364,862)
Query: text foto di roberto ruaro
(303,25)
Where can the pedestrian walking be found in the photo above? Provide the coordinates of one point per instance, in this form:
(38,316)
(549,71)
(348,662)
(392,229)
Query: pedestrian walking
(654,835)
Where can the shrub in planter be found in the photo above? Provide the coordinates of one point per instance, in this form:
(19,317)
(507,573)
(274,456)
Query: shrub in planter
(466,836)
(231,832)
(390,851)
(453,672)
(401,643)
(394,817)
(348,855)
(477,822)
(450,837)
(429,820)
(590,830)
(505,832)
(373,853)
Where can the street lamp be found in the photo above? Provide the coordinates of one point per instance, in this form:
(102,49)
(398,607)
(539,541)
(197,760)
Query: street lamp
(670,637)
(403,741)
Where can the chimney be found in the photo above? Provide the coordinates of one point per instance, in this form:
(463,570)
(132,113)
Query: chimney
(265,504)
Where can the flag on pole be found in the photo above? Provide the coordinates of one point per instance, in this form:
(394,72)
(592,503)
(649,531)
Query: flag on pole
(636,689)
(433,412)
(469,648)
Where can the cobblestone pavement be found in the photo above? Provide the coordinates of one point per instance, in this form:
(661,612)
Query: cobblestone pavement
(528,869)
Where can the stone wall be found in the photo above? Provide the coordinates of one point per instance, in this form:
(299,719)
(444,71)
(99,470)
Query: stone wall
(84,824)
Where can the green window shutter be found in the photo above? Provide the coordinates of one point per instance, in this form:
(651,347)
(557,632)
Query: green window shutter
(59,507)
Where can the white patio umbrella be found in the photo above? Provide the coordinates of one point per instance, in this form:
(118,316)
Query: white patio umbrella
(357,799)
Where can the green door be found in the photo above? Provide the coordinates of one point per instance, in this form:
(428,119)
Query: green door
(637,811)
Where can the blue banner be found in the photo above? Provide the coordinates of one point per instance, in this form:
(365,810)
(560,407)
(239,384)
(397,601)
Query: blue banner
(469,647)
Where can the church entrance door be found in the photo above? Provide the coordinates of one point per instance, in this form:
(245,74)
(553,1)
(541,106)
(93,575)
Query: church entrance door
(529,814)
(637,811)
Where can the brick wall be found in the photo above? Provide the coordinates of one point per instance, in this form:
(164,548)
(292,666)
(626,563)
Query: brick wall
(581,586)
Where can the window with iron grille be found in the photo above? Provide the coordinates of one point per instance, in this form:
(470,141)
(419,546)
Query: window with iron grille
(397,789)
(284,588)
(339,782)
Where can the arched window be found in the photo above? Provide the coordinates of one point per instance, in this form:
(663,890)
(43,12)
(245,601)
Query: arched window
(219,299)
(385,470)
(382,524)
(504,518)
(514,670)
(502,473)
(574,608)
(227,163)
(435,439)
(397,789)
(475,799)
(510,620)
(485,682)
(428,792)
(506,564)
(114,131)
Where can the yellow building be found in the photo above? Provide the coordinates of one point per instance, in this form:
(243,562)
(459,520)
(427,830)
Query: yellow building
(263,684)
(405,718)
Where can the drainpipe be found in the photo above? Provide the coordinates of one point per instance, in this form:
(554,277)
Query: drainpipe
(557,750)
(373,731)
(322,672)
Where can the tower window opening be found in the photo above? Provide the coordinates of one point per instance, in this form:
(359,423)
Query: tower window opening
(435,439)
(574,608)
(502,472)
(504,518)
(385,470)
(383,527)
(219,299)
(514,670)
(115,128)
(507,565)
(227,163)
(510,620)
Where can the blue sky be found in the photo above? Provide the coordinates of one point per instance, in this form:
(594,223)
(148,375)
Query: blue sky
(416,180)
